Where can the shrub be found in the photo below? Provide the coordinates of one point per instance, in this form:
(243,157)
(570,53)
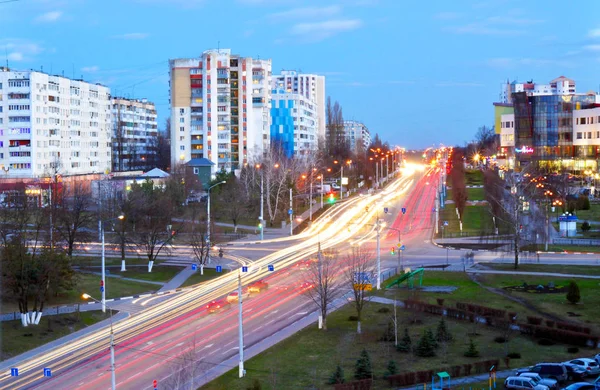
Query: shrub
(573,294)
(337,376)
(550,323)
(514,355)
(500,340)
(585,226)
(405,345)
(353,318)
(363,368)
(472,351)
(583,203)
(534,320)
(443,334)
(384,310)
(388,334)
(545,342)
(255,385)
(426,346)
(573,350)
(391,369)
(440,301)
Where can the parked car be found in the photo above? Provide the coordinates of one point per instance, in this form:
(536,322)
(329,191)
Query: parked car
(597,358)
(590,365)
(522,383)
(555,371)
(575,372)
(551,383)
(581,386)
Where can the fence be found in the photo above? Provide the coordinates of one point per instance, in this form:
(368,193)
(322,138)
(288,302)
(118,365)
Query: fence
(576,241)
(52,311)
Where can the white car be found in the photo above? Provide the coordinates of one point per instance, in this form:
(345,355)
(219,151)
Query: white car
(590,365)
(597,357)
(522,383)
(537,379)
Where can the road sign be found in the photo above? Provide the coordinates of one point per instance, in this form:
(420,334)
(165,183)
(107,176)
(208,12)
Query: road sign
(101,289)
(399,245)
(385,210)
(194,267)
(101,283)
(47,372)
(14,372)
(445,223)
(271,267)
(433,210)
(402,247)
(403,210)
(154,383)
(244,269)
(219,268)
(290,211)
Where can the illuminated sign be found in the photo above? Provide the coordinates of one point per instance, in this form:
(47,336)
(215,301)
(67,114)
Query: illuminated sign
(524,149)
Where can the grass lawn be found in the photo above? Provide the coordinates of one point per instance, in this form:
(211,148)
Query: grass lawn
(472,194)
(86,261)
(474,177)
(562,248)
(593,214)
(158,274)
(476,219)
(16,339)
(554,268)
(209,273)
(307,359)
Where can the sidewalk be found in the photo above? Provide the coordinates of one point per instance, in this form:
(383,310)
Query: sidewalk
(122,278)
(558,275)
(179,279)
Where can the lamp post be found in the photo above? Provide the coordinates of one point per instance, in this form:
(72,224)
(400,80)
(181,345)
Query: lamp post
(208,219)
(262,197)
(103,284)
(548,194)
(113,379)
(290,212)
(321,177)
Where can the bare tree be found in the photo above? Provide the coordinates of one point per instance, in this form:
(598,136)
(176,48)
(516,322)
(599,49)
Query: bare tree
(200,246)
(185,368)
(74,216)
(359,277)
(323,284)
(232,199)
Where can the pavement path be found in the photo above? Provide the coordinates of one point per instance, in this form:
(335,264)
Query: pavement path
(122,278)
(558,275)
(178,280)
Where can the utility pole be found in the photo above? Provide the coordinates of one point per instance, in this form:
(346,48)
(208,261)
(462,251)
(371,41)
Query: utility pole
(378,255)
(322,190)
(399,251)
(291,216)
(342,182)
(310,205)
(242,372)
(262,197)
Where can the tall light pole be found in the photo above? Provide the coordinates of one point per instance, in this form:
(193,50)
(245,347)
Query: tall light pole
(241,327)
(103,284)
(378,255)
(310,205)
(322,190)
(208,219)
(290,212)
(262,197)
(548,194)
(113,379)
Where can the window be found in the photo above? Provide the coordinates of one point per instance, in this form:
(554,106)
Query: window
(181,120)
(579,135)
(182,147)
(589,135)
(181,128)
(181,111)
(196,171)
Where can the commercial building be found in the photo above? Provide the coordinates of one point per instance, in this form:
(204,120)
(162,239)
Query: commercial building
(357,134)
(220,109)
(309,85)
(53,125)
(134,134)
(294,123)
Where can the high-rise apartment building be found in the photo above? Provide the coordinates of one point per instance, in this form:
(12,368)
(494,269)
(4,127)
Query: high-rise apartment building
(293,123)
(220,108)
(311,86)
(134,134)
(52,124)
(358,135)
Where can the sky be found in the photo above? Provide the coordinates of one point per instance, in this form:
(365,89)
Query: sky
(418,73)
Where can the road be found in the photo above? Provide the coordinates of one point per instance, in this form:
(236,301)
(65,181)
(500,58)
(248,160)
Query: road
(149,339)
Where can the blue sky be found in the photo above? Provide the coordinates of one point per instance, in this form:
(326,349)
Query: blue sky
(417,73)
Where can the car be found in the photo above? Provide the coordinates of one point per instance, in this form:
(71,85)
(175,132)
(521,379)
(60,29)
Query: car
(522,383)
(258,286)
(575,372)
(305,264)
(581,386)
(555,371)
(551,383)
(597,358)
(590,365)
(217,306)
(234,296)
(306,286)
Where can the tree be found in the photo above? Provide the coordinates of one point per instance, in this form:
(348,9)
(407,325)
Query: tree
(585,226)
(338,376)
(185,367)
(472,351)
(486,139)
(573,293)
(323,284)
(405,344)
(442,333)
(359,278)
(459,189)
(200,246)
(426,345)
(232,200)
(392,369)
(363,368)
(74,216)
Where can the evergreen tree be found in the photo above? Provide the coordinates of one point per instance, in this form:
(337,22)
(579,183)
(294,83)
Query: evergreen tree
(472,351)
(337,376)
(425,347)
(431,337)
(443,334)
(405,344)
(388,335)
(392,369)
(573,294)
(363,368)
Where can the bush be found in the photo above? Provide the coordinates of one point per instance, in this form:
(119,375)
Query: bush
(585,226)
(545,342)
(573,294)
(255,385)
(337,376)
(388,335)
(573,350)
(391,369)
(353,318)
(443,334)
(472,351)
(583,203)
(405,345)
(363,368)
(534,320)
(384,310)
(514,355)
(500,340)
(427,345)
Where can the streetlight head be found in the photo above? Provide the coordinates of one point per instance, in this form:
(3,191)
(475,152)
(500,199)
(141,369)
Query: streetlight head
(121,217)
(257,166)
(223,182)
(86,296)
(276,165)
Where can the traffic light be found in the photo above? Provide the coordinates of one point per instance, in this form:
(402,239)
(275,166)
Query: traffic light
(393,250)
(331,198)
(259,225)
(221,252)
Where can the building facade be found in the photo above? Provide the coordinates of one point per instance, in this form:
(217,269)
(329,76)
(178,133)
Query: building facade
(53,125)
(134,134)
(294,124)
(357,134)
(220,109)
(312,87)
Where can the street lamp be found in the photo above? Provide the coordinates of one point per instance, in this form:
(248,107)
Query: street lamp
(260,218)
(208,219)
(103,283)
(321,177)
(113,379)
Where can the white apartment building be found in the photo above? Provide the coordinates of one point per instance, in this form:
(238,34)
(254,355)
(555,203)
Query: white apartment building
(311,86)
(294,123)
(53,124)
(220,109)
(134,134)
(559,86)
(357,134)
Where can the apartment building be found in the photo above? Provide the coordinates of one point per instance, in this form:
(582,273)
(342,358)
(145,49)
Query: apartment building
(134,134)
(294,123)
(52,124)
(220,109)
(311,87)
(357,134)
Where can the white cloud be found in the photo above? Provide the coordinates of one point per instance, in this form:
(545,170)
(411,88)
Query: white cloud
(594,33)
(49,17)
(484,29)
(15,56)
(132,36)
(248,33)
(595,47)
(458,84)
(265,2)
(323,30)
(502,25)
(305,13)
(20,49)
(176,3)
(90,69)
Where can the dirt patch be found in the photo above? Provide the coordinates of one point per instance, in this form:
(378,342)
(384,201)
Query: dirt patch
(537,289)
